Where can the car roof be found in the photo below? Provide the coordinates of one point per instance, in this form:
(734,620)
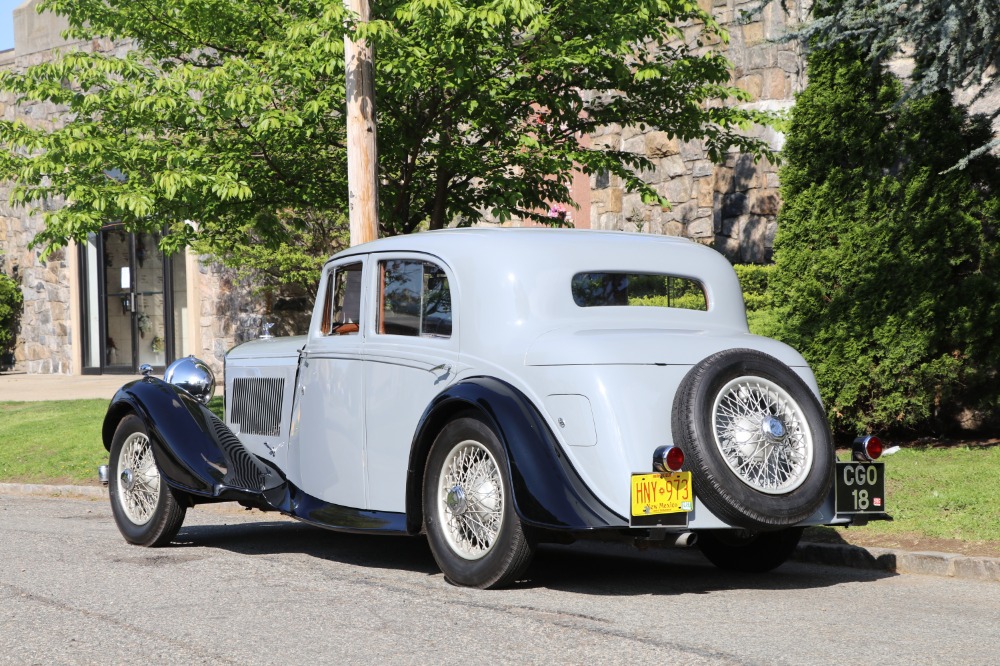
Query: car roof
(528,271)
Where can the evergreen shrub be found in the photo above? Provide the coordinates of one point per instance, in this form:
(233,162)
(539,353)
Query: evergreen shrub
(754,279)
(887,276)
(11,302)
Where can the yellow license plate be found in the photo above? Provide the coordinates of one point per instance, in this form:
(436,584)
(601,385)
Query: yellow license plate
(654,494)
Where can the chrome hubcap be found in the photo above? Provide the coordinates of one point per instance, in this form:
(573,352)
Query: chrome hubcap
(773,427)
(457,503)
(126,479)
(762,434)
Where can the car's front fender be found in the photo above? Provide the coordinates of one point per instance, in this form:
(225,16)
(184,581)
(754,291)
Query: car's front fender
(548,492)
(194,450)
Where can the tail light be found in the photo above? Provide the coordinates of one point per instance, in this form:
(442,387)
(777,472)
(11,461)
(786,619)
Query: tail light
(668,459)
(867,449)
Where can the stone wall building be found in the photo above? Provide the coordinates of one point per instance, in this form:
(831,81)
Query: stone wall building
(115,302)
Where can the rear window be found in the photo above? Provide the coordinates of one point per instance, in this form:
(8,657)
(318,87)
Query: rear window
(638,289)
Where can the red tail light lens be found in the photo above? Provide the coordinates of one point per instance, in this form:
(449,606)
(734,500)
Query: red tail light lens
(873,447)
(675,458)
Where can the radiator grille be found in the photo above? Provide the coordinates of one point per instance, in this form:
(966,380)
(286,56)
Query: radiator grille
(256,405)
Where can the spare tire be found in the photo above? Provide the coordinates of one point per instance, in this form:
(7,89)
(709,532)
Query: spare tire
(755,438)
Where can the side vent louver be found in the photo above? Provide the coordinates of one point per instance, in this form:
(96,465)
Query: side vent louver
(244,471)
(256,405)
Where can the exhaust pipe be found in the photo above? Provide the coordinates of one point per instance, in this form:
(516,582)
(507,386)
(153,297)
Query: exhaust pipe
(682,540)
(102,474)
(668,540)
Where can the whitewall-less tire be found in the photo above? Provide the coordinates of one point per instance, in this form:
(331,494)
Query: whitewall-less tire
(472,528)
(144,507)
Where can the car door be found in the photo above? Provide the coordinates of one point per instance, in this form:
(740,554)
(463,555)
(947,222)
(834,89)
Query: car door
(328,426)
(411,355)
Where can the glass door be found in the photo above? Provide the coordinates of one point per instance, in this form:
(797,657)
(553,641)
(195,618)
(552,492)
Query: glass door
(135,303)
(119,301)
(149,299)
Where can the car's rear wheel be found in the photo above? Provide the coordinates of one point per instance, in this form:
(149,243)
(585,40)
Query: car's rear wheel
(759,449)
(144,507)
(746,551)
(472,528)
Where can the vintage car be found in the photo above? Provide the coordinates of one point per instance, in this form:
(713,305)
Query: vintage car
(496,389)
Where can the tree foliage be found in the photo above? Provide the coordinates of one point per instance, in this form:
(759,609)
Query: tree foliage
(955,44)
(229,113)
(887,275)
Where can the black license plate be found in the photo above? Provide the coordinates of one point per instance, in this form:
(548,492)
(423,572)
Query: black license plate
(860,487)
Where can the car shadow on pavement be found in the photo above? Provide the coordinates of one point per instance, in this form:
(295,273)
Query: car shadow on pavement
(287,537)
(619,570)
(582,568)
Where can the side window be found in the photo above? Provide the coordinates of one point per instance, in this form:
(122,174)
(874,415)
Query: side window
(342,312)
(414,299)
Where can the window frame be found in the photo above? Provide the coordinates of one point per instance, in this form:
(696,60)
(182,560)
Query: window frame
(327,327)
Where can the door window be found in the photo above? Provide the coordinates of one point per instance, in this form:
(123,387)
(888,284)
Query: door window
(414,299)
(342,309)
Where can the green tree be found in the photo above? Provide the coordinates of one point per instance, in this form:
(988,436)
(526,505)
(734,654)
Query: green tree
(229,113)
(887,275)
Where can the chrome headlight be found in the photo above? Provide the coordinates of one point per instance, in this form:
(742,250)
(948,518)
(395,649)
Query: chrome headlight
(194,376)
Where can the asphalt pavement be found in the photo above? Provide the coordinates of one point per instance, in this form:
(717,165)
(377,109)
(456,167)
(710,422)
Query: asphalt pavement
(244,587)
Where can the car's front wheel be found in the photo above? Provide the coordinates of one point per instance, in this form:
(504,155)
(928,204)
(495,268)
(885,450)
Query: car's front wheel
(144,507)
(472,528)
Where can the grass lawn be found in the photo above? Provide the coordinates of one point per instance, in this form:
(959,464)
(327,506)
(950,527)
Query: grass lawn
(937,492)
(55,441)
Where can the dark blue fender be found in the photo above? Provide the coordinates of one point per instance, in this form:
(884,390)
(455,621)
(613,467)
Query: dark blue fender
(548,492)
(193,448)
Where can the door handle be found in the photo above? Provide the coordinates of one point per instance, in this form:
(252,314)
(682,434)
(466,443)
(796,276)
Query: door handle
(442,366)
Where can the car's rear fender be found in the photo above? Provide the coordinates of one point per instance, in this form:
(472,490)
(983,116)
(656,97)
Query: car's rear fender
(548,492)
(194,450)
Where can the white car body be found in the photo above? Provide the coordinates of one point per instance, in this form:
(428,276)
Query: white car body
(499,388)
(603,377)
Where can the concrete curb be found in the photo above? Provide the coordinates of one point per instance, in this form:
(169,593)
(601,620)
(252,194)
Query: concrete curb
(949,565)
(42,490)
(891,560)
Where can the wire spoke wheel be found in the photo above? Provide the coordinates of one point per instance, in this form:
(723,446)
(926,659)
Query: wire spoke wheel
(469,511)
(762,434)
(139,479)
(145,508)
(472,500)
(759,447)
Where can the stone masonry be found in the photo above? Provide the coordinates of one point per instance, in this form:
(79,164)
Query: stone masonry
(45,338)
(730,206)
(228,312)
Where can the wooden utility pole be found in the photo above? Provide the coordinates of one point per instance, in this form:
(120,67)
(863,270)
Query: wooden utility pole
(362,184)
